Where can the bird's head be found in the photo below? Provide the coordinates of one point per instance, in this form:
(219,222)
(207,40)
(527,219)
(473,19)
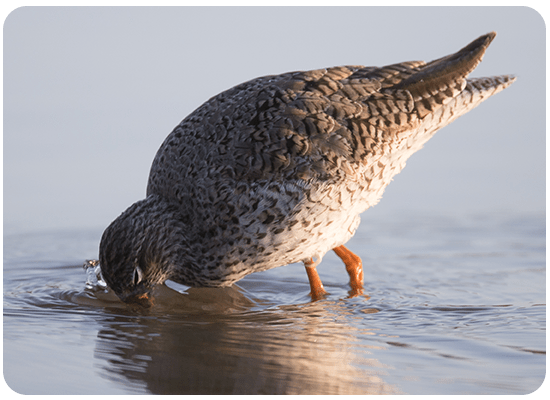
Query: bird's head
(135,252)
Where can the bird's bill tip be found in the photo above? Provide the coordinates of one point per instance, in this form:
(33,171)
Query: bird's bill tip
(141,299)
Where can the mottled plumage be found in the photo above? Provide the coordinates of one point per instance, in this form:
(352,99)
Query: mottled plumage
(277,170)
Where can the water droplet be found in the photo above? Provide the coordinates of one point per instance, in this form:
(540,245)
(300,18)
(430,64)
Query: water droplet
(94,279)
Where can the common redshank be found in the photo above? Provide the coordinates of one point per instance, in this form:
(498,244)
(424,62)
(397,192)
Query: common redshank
(277,170)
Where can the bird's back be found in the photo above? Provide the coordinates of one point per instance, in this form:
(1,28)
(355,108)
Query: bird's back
(326,125)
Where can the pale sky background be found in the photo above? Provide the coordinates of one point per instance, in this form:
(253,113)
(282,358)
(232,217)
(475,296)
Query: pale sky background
(91,93)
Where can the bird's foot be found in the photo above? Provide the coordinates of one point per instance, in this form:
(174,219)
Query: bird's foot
(318,293)
(356,293)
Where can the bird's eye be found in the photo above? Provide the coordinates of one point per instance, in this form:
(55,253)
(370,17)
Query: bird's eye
(138,275)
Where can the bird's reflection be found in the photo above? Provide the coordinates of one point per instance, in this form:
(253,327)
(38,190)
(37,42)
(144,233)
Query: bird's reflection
(220,342)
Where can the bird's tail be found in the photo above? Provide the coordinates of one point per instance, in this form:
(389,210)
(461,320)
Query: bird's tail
(441,90)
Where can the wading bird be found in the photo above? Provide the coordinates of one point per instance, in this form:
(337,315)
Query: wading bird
(278,169)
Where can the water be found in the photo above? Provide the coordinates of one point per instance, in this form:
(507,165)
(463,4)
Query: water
(453,306)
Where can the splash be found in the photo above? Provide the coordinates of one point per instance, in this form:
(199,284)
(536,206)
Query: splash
(94,278)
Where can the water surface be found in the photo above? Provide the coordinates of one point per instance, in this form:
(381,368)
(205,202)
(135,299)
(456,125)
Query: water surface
(452,306)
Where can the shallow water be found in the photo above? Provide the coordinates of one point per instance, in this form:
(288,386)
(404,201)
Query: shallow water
(453,306)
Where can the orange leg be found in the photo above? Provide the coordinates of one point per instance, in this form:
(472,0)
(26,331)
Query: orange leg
(354,267)
(317,289)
